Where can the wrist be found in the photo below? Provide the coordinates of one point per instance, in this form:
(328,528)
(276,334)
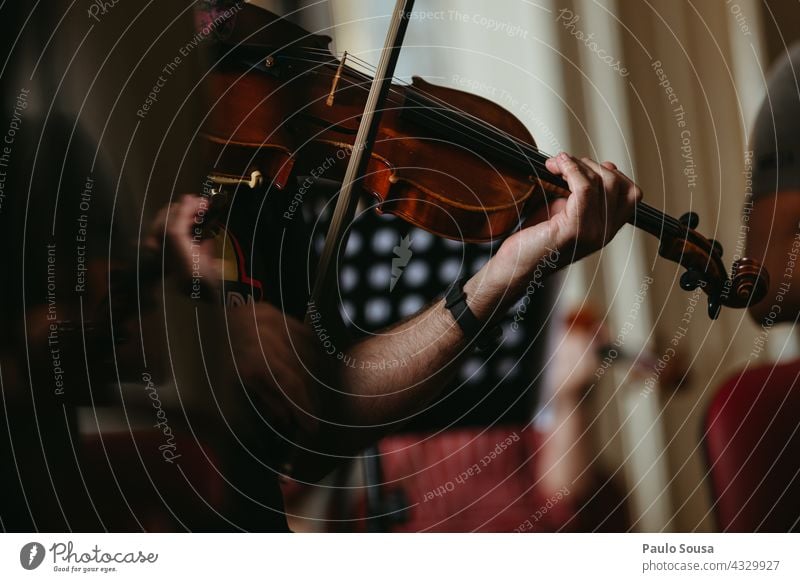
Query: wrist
(506,277)
(480,332)
(487,292)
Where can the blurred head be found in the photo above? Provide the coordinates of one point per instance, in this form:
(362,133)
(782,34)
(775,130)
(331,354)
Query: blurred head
(774,217)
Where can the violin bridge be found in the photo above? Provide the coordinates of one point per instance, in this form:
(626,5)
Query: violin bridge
(335,83)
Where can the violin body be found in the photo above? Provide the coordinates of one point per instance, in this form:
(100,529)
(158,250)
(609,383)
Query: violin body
(464,196)
(423,168)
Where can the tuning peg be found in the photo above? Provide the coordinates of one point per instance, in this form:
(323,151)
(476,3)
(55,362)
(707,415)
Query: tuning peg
(690,220)
(714,307)
(691,280)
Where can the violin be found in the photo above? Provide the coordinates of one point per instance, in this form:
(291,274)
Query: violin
(447,161)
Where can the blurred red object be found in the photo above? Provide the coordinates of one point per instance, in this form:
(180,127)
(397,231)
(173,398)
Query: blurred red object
(752,440)
(133,488)
(477,479)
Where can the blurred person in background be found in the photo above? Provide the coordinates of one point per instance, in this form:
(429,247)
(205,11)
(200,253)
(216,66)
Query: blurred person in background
(772,209)
(751,435)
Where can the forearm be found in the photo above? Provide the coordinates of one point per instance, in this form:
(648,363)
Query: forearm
(379,383)
(370,401)
(397,372)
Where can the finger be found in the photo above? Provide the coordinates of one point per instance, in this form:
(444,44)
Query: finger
(186,224)
(602,167)
(589,169)
(552,164)
(625,186)
(190,209)
(633,196)
(609,177)
(546,212)
(577,175)
(174,221)
(618,183)
(152,240)
(554,167)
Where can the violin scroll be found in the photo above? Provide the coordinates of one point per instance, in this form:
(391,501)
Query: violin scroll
(746,284)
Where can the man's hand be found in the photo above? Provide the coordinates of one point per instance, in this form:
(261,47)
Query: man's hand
(180,230)
(280,363)
(602,200)
(277,358)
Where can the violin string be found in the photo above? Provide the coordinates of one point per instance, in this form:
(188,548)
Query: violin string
(523,151)
(658,218)
(537,155)
(532,153)
(528,152)
(446,106)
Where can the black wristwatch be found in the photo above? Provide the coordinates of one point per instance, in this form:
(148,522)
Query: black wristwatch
(476,332)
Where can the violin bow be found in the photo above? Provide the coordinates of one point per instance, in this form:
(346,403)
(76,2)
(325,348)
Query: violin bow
(362,149)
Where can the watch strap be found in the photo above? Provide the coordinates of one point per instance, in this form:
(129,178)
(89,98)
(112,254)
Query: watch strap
(476,331)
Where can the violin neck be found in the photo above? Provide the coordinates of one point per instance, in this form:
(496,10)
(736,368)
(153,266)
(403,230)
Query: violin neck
(645,217)
(657,223)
